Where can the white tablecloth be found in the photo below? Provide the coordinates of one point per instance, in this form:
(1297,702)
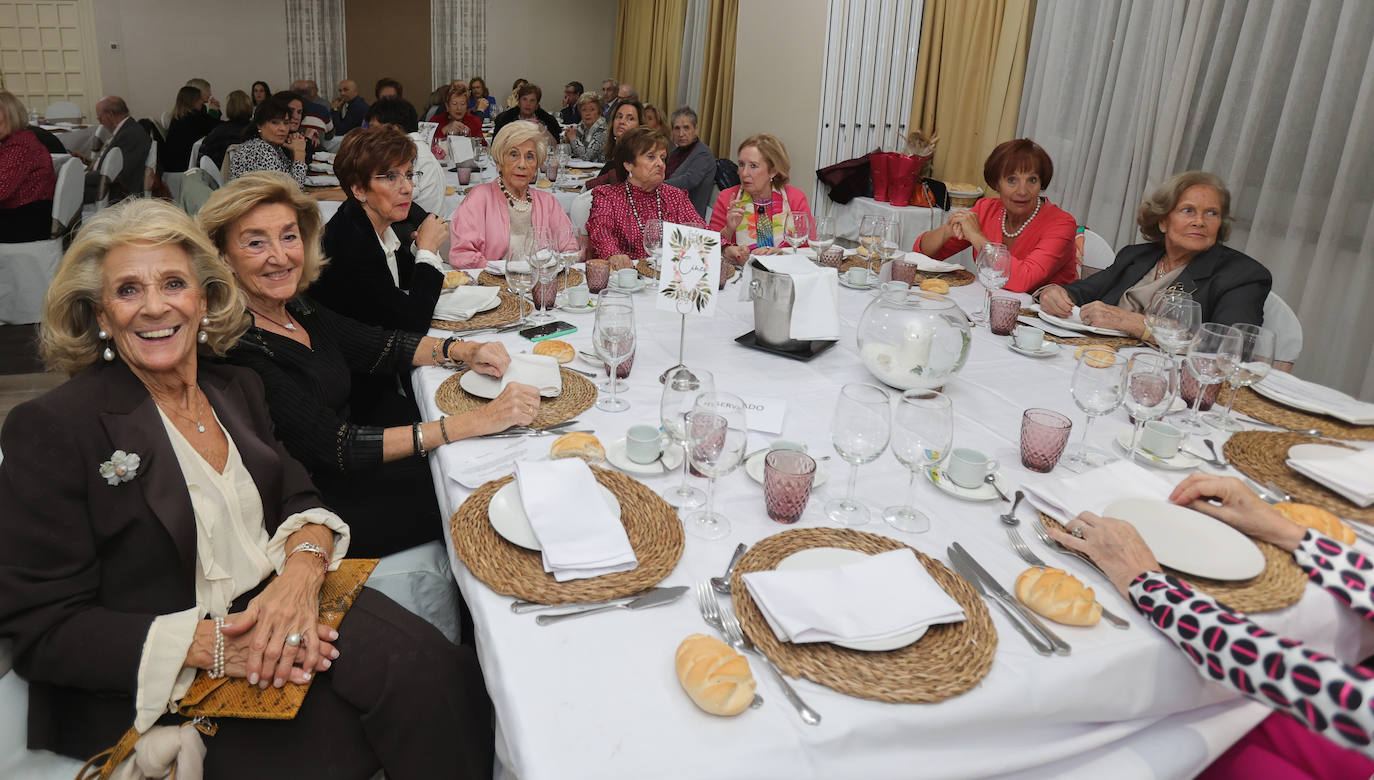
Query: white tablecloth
(77,139)
(914,219)
(565,199)
(598,697)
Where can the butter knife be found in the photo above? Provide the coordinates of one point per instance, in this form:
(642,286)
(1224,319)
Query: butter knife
(520,606)
(656,598)
(973,579)
(1060,646)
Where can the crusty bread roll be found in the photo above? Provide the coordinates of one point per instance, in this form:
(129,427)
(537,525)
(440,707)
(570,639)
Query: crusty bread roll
(1318,519)
(456,279)
(715,676)
(544,184)
(935,285)
(578,445)
(561,351)
(1057,595)
(1097,363)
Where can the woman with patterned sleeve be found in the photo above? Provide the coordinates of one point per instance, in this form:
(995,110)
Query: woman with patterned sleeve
(1322,693)
(615,227)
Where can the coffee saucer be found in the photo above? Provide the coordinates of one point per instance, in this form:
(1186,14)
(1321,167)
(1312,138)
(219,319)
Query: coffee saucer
(869,285)
(1183,461)
(1047,349)
(588,309)
(667,461)
(634,288)
(983,492)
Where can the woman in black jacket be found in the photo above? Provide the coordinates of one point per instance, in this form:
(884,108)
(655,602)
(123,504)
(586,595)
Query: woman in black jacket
(189,123)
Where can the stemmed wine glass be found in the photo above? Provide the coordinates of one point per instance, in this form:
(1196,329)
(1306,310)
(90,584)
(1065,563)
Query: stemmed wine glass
(520,271)
(681,386)
(994,268)
(892,242)
(824,235)
(1098,387)
(1151,384)
(859,432)
(1213,357)
(614,338)
(568,244)
(652,239)
(922,429)
(796,230)
(1174,318)
(717,435)
(1256,358)
(871,229)
(545,259)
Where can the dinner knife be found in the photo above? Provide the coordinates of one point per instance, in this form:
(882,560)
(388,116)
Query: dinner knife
(1060,646)
(520,606)
(965,571)
(656,598)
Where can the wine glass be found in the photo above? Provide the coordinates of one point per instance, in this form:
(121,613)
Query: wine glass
(922,429)
(545,259)
(520,270)
(994,267)
(859,433)
(681,387)
(796,230)
(1173,318)
(568,245)
(824,235)
(1151,384)
(717,435)
(892,242)
(652,239)
(614,338)
(1213,357)
(871,228)
(1256,358)
(1098,387)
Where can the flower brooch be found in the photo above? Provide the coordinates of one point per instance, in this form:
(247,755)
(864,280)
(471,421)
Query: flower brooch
(121,467)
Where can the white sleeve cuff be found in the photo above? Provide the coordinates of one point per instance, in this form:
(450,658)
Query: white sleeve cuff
(162,667)
(429,258)
(276,546)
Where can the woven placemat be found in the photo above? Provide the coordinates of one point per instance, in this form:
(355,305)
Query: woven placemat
(947,661)
(858,260)
(577,397)
(505,314)
(1261,408)
(1261,456)
(573,276)
(957,278)
(653,528)
(1280,585)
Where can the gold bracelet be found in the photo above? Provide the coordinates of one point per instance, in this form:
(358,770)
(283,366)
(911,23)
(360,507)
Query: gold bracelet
(443,428)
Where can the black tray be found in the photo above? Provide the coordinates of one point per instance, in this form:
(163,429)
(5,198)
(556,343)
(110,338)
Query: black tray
(808,351)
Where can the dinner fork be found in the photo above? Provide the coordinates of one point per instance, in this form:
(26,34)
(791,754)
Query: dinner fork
(734,636)
(1050,542)
(710,612)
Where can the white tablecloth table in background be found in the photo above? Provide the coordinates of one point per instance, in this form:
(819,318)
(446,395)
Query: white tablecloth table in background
(76,139)
(914,220)
(598,697)
(451,202)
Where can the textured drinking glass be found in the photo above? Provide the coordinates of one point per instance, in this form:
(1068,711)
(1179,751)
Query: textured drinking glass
(681,386)
(994,267)
(1213,357)
(859,432)
(1043,436)
(598,274)
(922,429)
(614,338)
(717,434)
(1256,358)
(903,271)
(1002,314)
(1097,387)
(1151,381)
(787,478)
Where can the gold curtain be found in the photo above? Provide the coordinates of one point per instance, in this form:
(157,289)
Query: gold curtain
(718,78)
(969,72)
(648,49)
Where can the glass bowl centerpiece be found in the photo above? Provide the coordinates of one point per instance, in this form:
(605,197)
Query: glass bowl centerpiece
(913,339)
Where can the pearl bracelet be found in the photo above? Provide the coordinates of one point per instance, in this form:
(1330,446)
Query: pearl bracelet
(217,660)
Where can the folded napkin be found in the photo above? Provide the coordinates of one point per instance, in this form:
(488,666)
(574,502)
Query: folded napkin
(1092,491)
(930,264)
(815,296)
(1352,475)
(1053,330)
(579,535)
(1284,387)
(323,157)
(321,167)
(540,371)
(497,267)
(322,181)
(879,597)
(463,302)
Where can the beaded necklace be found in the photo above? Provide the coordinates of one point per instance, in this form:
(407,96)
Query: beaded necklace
(658,204)
(519,205)
(1007,233)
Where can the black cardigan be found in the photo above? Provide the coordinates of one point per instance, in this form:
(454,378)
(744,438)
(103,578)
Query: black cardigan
(1231,286)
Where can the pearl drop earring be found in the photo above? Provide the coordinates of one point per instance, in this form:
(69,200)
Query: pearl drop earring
(108,354)
(203,337)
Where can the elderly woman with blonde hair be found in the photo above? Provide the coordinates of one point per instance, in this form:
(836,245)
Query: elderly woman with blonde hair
(150,511)
(500,215)
(752,215)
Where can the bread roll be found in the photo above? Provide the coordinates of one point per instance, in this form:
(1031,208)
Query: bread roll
(456,279)
(935,285)
(561,351)
(1057,595)
(578,445)
(715,676)
(1097,363)
(1318,519)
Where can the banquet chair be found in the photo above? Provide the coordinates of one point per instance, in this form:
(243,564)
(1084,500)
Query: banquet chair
(150,169)
(61,111)
(224,166)
(1287,328)
(110,167)
(26,270)
(208,165)
(195,153)
(16,760)
(66,201)
(580,211)
(727,174)
(1097,253)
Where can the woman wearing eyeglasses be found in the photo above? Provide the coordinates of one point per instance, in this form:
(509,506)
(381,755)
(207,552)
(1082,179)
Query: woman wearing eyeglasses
(752,216)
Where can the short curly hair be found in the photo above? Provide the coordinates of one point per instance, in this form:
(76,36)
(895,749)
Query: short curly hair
(1161,202)
(367,152)
(232,202)
(637,141)
(516,133)
(1020,154)
(68,335)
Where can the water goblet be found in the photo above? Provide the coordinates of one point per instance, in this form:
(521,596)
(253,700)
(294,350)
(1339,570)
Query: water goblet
(681,386)
(922,429)
(1213,357)
(1151,383)
(823,235)
(994,267)
(1256,358)
(859,433)
(614,338)
(796,229)
(717,436)
(520,273)
(1098,387)
(871,229)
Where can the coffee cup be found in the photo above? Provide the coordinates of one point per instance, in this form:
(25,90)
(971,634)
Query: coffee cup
(578,296)
(1161,439)
(857,275)
(625,277)
(1028,338)
(895,286)
(643,444)
(968,467)
(786,444)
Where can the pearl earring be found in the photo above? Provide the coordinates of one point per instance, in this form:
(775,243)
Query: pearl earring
(108,354)
(203,337)
(102,335)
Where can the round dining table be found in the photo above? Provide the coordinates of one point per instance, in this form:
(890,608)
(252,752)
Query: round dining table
(599,697)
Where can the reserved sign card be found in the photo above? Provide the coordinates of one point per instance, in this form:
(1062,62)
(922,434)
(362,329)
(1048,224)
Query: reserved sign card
(689,270)
(764,413)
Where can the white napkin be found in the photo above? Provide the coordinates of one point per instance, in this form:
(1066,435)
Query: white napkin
(815,295)
(879,597)
(497,267)
(930,264)
(322,181)
(539,371)
(1352,476)
(474,462)
(1092,491)
(460,148)
(321,167)
(323,157)
(1053,330)
(579,535)
(465,301)
(1281,386)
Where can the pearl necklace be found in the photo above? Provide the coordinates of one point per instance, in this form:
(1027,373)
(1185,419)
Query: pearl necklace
(658,204)
(520,206)
(288,325)
(1007,233)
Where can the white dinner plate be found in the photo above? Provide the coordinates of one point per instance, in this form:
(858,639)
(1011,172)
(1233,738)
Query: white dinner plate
(1182,461)
(829,558)
(983,492)
(507,515)
(754,468)
(1047,349)
(1190,541)
(1074,324)
(669,460)
(489,387)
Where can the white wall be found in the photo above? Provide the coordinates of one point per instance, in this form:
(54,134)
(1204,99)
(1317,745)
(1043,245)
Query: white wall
(549,42)
(162,43)
(789,61)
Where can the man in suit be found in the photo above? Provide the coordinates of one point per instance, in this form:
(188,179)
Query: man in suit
(572,92)
(349,108)
(608,96)
(129,139)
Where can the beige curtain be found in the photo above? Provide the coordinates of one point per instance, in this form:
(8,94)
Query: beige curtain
(969,72)
(648,49)
(718,78)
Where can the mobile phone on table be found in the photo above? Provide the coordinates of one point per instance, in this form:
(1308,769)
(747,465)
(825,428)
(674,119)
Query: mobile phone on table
(550,330)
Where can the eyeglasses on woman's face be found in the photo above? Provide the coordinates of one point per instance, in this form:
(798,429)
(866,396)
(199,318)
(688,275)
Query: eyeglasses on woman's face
(394,178)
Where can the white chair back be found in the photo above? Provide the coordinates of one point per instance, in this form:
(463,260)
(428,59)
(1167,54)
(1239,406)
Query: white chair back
(26,270)
(110,167)
(195,153)
(66,201)
(62,110)
(225,166)
(208,165)
(150,169)
(1279,317)
(581,210)
(1097,253)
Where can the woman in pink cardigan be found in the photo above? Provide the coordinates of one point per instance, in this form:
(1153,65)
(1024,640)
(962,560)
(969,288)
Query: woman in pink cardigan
(492,213)
(752,217)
